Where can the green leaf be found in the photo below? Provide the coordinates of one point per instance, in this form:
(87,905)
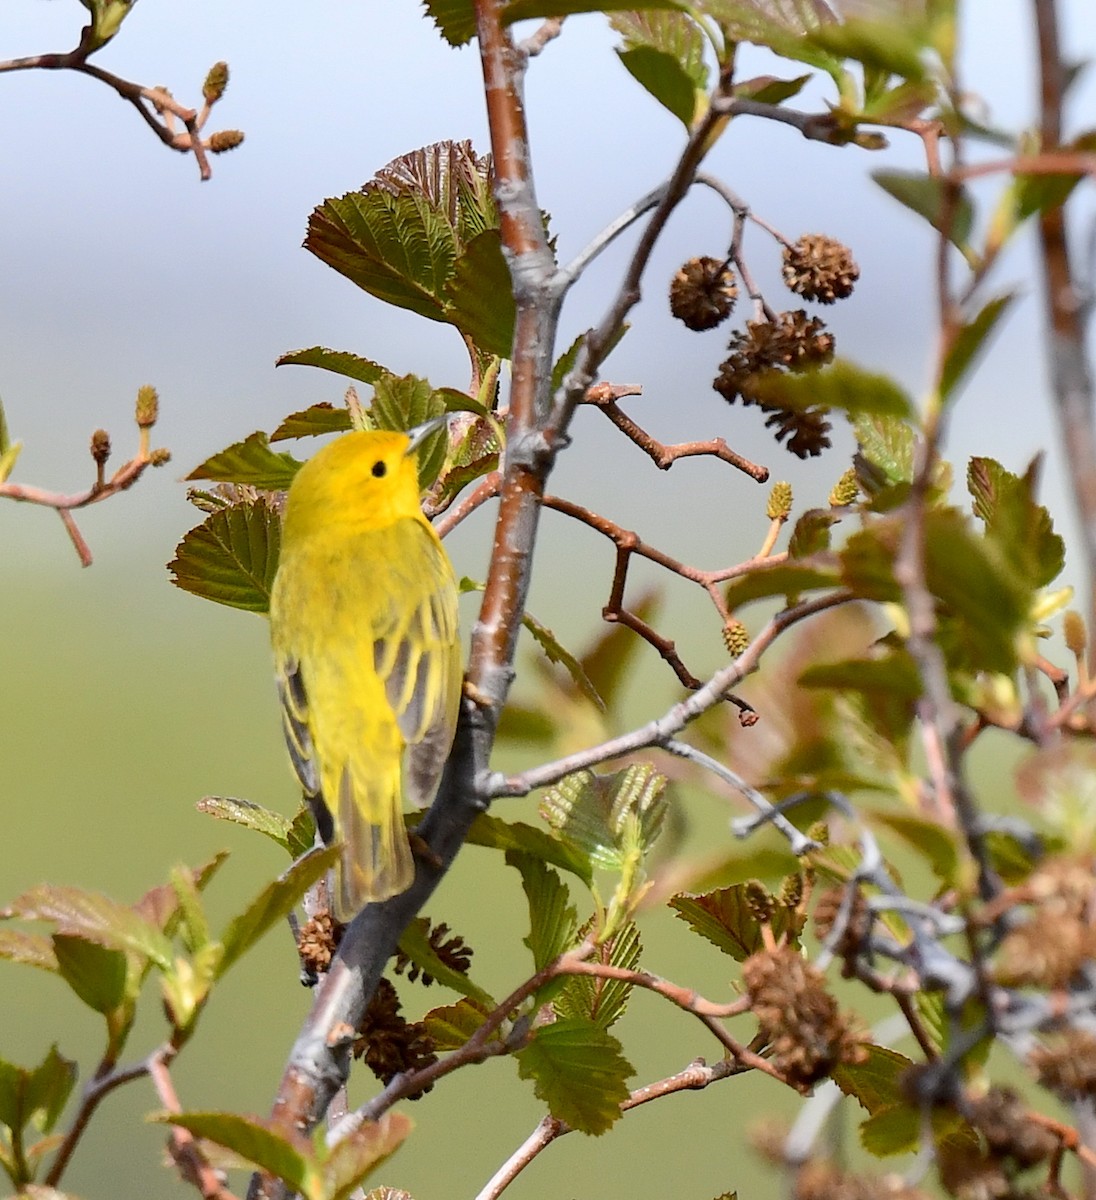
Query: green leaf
(603,1001)
(876,1081)
(455,19)
(970,341)
(314,421)
(254,1141)
(727,919)
(9,450)
(556,653)
(96,974)
(232,556)
(663,76)
(578,1070)
(498,834)
(252,462)
(811,534)
(357,1155)
(778,579)
(896,1129)
(783,28)
(521,10)
(895,47)
(273,904)
(414,942)
(253,816)
(1020,528)
(37,1095)
(29,949)
(886,452)
(95,917)
(402,402)
(767,89)
(342,362)
(400,236)
(479,297)
(842,385)
(936,844)
(931,199)
(553,919)
(450,1026)
(595,812)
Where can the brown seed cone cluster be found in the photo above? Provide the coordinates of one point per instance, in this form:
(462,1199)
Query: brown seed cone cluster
(451,950)
(794,342)
(389,1044)
(856,921)
(316,945)
(1049,949)
(821,1180)
(1066,1064)
(820,268)
(797,1016)
(703,292)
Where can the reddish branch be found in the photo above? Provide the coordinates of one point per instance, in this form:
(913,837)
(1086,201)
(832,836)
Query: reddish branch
(125,477)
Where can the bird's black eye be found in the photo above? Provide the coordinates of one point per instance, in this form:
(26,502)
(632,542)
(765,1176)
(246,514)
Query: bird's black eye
(380,469)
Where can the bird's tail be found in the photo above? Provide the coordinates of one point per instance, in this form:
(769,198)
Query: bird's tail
(376,860)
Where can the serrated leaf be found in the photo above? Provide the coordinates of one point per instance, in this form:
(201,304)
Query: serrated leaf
(91,915)
(932,1009)
(342,362)
(842,385)
(37,1095)
(662,76)
(357,1155)
(970,341)
(578,1070)
(95,973)
(725,918)
(29,949)
(313,421)
(557,653)
(778,579)
(929,198)
(455,19)
(876,1081)
(252,462)
(896,1129)
(595,811)
(553,919)
(255,1142)
(273,904)
(451,1025)
(603,1001)
(674,33)
(479,297)
(521,10)
(9,450)
(402,402)
(886,447)
(160,905)
(252,816)
(1021,528)
(784,28)
(414,942)
(232,556)
(497,834)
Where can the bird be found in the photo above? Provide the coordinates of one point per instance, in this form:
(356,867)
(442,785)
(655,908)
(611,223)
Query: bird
(367,656)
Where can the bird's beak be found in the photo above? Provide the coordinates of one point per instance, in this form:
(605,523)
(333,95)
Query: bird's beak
(419,433)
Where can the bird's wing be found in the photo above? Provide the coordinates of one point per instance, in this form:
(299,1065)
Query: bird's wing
(417,656)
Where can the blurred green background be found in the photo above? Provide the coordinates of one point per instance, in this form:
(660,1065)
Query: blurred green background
(124,701)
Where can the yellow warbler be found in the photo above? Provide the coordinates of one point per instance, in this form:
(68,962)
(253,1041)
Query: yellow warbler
(363,622)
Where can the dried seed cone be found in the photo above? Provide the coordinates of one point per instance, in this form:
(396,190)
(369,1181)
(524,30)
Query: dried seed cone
(703,292)
(820,268)
(100,446)
(224,140)
(1067,1064)
(1074,632)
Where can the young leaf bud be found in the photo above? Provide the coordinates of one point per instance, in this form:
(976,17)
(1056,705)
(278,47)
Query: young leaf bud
(100,446)
(224,140)
(845,490)
(1073,630)
(780,501)
(148,406)
(215,83)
